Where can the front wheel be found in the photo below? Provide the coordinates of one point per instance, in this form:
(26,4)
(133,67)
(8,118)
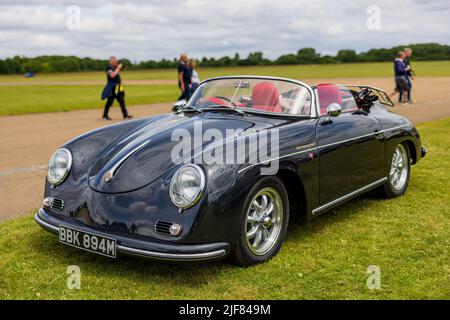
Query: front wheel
(399,173)
(264,221)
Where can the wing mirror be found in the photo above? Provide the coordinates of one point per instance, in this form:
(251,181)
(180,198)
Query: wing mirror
(180,104)
(334,110)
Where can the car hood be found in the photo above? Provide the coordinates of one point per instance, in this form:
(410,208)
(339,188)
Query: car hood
(139,158)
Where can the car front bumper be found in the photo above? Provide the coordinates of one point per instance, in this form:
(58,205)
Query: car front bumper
(423,152)
(137,247)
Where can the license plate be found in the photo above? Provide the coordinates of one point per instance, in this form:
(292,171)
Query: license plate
(88,241)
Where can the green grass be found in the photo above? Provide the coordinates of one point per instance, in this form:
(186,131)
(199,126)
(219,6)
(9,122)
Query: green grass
(40,97)
(44,98)
(327,258)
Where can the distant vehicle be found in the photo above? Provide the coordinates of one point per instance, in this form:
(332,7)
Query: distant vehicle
(116,190)
(29,75)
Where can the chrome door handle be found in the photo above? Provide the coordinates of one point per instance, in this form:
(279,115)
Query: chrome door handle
(379,135)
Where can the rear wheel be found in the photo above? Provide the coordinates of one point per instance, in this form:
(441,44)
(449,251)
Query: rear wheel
(264,221)
(399,173)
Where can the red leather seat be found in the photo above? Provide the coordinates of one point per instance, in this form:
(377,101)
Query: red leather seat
(265,96)
(328,94)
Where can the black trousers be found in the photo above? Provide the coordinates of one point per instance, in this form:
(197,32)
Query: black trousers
(186,94)
(109,102)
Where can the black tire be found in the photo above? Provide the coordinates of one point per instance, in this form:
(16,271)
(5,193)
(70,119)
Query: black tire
(390,189)
(242,252)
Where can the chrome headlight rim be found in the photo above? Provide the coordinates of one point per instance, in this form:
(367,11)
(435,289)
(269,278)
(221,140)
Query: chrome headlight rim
(199,192)
(67,169)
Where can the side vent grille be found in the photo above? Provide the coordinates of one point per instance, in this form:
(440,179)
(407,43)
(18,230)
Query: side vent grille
(163,227)
(58,204)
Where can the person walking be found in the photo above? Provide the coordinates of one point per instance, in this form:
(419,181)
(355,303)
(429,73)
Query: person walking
(409,74)
(195,79)
(184,77)
(114,89)
(400,70)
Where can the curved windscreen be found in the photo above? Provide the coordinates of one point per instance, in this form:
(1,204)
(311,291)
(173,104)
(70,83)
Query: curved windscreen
(267,95)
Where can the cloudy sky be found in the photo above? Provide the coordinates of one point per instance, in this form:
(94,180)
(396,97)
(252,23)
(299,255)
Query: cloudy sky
(154,29)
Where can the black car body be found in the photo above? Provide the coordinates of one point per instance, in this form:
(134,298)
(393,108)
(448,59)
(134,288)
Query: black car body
(326,156)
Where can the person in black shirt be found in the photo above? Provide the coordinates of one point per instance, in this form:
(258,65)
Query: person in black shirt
(114,88)
(184,77)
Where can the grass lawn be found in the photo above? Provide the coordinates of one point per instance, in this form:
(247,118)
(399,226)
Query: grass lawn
(45,98)
(407,237)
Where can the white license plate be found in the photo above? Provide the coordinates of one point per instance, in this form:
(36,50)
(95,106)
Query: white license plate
(88,241)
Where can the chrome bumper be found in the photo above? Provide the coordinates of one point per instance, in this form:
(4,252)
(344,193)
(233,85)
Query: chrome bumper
(423,152)
(168,252)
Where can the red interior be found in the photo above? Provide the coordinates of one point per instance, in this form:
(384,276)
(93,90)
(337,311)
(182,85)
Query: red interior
(216,100)
(328,94)
(266,97)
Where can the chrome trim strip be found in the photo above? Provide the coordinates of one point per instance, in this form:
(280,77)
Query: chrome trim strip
(278,158)
(348,196)
(323,146)
(351,139)
(149,254)
(172,256)
(45,225)
(111,172)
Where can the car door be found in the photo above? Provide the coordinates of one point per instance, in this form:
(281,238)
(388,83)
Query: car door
(351,149)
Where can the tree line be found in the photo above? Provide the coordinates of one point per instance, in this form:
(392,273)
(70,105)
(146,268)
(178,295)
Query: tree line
(55,64)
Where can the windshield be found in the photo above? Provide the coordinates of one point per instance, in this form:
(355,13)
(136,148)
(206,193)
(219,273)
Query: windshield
(268,95)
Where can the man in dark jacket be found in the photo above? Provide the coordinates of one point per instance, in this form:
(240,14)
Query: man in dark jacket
(114,88)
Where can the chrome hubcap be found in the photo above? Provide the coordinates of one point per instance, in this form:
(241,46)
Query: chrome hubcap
(399,168)
(264,220)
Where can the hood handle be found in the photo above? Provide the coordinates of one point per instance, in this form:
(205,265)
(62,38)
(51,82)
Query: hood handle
(109,175)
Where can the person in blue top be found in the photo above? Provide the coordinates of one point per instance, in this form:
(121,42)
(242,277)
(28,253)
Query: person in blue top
(114,88)
(401,71)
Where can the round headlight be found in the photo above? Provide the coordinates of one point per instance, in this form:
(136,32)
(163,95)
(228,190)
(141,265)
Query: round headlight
(59,166)
(187,185)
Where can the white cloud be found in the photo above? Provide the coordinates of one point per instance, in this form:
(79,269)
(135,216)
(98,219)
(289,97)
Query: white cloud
(155,29)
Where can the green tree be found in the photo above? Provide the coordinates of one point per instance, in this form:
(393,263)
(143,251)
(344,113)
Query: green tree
(327,59)
(4,67)
(308,56)
(287,59)
(347,56)
(15,64)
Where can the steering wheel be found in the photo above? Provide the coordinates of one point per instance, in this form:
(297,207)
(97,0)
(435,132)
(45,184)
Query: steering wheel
(226,99)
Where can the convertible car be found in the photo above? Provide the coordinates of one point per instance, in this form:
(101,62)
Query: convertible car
(118,189)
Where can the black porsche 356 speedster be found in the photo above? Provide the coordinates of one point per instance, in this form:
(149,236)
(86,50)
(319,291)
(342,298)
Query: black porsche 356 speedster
(160,188)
